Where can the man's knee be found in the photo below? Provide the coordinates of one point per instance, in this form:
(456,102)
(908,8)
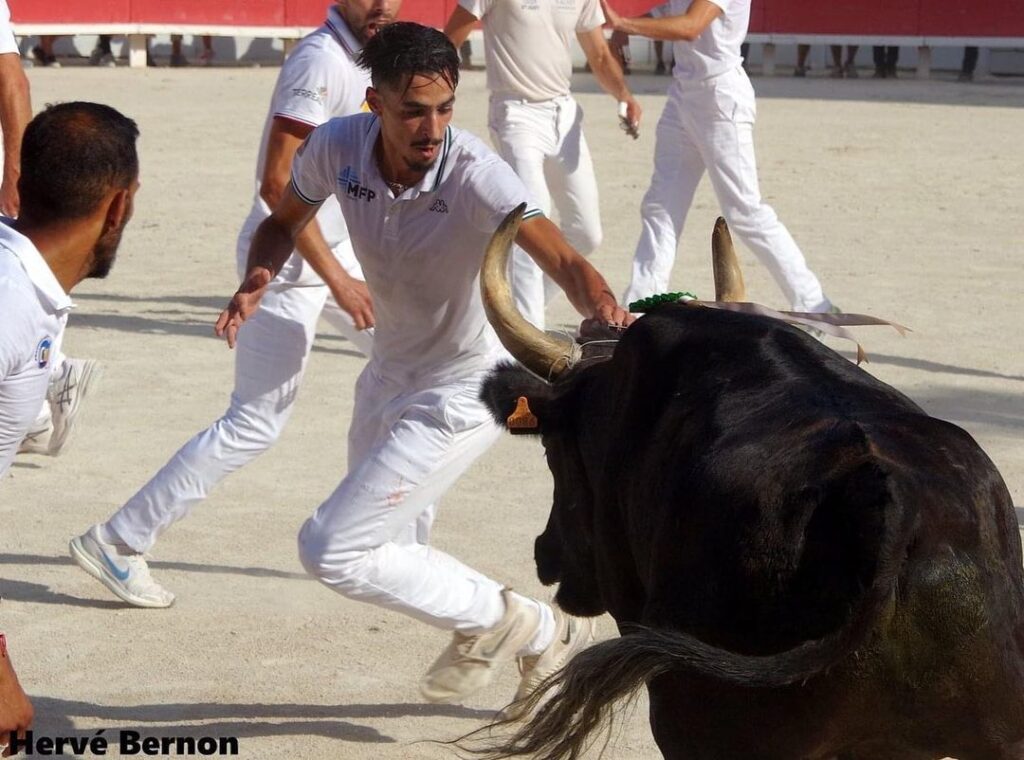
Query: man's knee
(250,428)
(343,571)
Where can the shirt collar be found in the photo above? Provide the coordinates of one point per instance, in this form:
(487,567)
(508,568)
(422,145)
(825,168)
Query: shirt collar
(50,291)
(342,33)
(435,175)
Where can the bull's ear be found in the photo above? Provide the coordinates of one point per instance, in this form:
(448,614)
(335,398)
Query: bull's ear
(502,391)
(522,420)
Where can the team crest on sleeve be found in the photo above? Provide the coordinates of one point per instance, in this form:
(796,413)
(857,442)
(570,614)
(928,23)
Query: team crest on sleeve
(42,355)
(348,180)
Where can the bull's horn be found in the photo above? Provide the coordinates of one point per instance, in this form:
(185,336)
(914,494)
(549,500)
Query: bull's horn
(540,353)
(728,276)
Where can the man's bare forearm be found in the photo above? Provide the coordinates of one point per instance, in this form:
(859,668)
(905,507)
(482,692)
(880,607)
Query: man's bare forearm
(271,246)
(669,28)
(587,290)
(609,75)
(583,285)
(15,113)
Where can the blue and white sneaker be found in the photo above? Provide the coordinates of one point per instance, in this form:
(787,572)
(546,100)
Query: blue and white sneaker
(125,574)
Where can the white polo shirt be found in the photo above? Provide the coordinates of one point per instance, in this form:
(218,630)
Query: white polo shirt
(317,82)
(421,253)
(717,50)
(33,312)
(7,42)
(528,43)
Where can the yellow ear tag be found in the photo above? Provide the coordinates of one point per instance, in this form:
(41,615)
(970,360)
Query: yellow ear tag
(522,418)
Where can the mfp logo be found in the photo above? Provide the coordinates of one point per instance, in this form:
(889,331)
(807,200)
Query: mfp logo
(349,181)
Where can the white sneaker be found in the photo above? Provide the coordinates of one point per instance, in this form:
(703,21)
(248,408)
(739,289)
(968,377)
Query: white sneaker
(37,439)
(469,662)
(65,394)
(127,575)
(572,634)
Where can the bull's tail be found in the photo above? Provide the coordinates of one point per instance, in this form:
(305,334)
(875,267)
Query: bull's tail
(582,696)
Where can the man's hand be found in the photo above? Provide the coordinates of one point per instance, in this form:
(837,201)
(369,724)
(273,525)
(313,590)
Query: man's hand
(15,709)
(629,116)
(354,297)
(608,327)
(614,19)
(612,315)
(243,304)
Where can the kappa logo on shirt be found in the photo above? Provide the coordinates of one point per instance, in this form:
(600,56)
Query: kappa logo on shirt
(439,206)
(349,181)
(530,5)
(317,95)
(42,354)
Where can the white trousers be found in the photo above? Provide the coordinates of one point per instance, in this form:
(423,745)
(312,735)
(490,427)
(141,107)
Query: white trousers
(270,359)
(368,541)
(709,126)
(544,144)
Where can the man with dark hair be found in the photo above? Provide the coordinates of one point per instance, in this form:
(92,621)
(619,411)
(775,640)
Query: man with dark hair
(318,81)
(70,379)
(79,174)
(421,200)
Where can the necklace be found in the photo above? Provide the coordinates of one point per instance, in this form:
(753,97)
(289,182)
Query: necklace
(397,188)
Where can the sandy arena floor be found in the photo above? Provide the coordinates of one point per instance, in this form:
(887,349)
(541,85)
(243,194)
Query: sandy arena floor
(905,196)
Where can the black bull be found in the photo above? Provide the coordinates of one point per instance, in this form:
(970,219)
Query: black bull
(802,562)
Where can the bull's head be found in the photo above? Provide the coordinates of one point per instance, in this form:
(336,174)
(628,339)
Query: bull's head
(568,397)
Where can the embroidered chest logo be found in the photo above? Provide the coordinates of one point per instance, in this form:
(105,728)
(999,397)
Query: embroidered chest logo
(439,206)
(349,182)
(530,5)
(42,355)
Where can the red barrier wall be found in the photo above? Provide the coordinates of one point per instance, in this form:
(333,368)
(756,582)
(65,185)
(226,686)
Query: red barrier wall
(934,18)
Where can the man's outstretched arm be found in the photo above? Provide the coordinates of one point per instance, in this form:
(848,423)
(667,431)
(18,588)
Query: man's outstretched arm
(688,26)
(609,73)
(583,284)
(270,248)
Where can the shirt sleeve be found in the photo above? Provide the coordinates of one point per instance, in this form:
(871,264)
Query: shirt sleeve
(313,166)
(497,190)
(301,92)
(477,7)
(591,16)
(7,42)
